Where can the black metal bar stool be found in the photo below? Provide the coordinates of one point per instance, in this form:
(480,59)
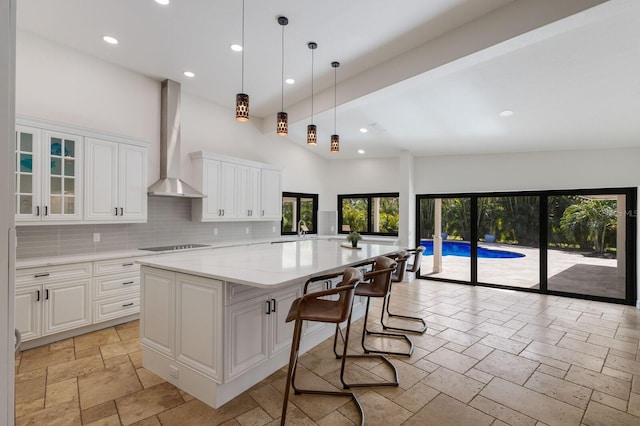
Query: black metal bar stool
(315,307)
(398,276)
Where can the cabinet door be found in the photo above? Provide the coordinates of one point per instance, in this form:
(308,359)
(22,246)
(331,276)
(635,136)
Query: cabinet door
(246,336)
(253,190)
(199,335)
(28,174)
(248,192)
(270,194)
(281,331)
(211,187)
(67,305)
(101,195)
(227,197)
(62,184)
(28,311)
(157,315)
(132,175)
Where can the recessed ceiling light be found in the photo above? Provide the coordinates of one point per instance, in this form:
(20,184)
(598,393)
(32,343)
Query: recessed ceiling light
(289,81)
(236,47)
(364,130)
(163,2)
(189,74)
(506,113)
(110,40)
(361,151)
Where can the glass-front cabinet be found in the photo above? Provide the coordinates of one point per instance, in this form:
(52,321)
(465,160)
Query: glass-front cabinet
(48,175)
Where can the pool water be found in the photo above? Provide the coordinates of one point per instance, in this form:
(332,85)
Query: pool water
(463,249)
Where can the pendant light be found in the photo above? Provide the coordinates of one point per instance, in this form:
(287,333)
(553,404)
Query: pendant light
(282,122)
(335,138)
(312,131)
(242,99)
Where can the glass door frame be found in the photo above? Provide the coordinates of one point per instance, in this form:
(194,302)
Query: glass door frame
(630,218)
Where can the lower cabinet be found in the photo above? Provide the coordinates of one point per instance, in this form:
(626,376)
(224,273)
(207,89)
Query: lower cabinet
(116,289)
(51,308)
(256,330)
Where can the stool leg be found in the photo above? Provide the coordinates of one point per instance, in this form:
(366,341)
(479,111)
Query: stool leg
(419,330)
(366,355)
(293,361)
(366,332)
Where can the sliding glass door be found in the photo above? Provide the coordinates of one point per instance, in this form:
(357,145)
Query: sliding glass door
(586,250)
(578,243)
(508,238)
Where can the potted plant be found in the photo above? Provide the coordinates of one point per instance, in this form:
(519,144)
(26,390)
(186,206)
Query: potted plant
(354,237)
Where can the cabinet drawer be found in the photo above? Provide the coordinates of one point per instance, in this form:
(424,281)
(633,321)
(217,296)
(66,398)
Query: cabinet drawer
(107,309)
(112,286)
(46,274)
(115,266)
(239,293)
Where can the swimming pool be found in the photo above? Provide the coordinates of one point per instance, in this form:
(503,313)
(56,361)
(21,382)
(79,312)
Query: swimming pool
(463,249)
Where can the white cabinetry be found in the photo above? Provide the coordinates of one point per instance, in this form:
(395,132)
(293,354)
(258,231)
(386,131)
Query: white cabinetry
(271,194)
(52,299)
(48,175)
(116,182)
(55,163)
(182,320)
(236,189)
(263,319)
(116,289)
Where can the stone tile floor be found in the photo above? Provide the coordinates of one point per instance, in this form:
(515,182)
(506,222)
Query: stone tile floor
(489,357)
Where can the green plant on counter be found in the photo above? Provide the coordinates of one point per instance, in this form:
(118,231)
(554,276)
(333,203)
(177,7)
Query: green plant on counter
(353,237)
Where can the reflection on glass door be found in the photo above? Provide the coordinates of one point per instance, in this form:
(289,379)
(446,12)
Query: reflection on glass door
(586,244)
(445,232)
(509,241)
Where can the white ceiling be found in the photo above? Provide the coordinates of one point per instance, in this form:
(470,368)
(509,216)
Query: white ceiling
(429,77)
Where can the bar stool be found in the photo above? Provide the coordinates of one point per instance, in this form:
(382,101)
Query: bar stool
(376,283)
(316,307)
(402,258)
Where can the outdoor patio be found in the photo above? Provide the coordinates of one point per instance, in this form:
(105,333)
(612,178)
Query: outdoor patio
(567,272)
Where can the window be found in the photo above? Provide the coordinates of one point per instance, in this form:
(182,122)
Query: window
(299,209)
(369,213)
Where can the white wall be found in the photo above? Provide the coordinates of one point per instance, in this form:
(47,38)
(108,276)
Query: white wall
(360,176)
(527,171)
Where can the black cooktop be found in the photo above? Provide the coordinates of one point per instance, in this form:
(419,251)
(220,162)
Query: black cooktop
(174,247)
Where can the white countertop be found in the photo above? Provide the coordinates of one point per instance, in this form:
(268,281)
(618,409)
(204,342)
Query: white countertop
(134,253)
(268,265)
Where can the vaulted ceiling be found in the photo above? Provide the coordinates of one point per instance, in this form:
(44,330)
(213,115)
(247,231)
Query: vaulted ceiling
(428,77)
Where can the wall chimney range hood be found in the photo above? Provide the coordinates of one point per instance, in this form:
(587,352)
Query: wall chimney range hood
(169,184)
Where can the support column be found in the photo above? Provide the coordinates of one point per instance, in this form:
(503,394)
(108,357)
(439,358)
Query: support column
(407,222)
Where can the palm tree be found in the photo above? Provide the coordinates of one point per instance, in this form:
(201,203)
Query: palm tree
(595,216)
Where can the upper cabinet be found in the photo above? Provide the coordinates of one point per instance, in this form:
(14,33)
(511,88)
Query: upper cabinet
(68,175)
(48,175)
(271,194)
(236,189)
(116,182)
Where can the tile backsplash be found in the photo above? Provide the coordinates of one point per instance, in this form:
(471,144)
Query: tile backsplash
(169,222)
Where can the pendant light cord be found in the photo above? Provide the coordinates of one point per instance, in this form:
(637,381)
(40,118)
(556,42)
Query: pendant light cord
(282,76)
(242,57)
(335,73)
(312,85)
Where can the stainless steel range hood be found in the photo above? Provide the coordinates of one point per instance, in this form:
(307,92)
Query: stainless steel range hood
(169,184)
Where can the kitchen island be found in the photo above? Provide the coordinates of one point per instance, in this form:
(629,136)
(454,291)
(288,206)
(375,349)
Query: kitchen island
(212,322)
